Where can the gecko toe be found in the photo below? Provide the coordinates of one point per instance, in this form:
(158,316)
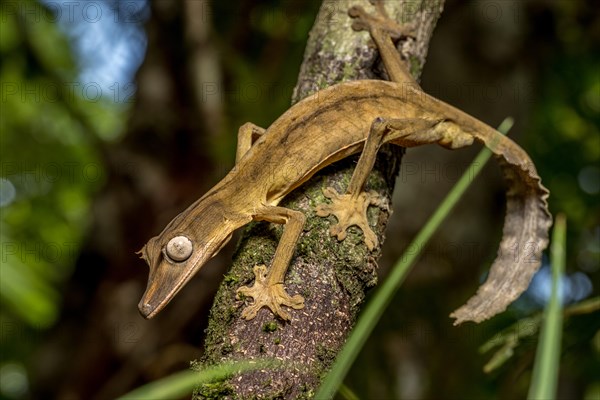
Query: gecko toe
(339,231)
(356,12)
(323,210)
(331,193)
(250,312)
(371,240)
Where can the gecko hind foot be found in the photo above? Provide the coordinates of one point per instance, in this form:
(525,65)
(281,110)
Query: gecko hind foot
(364,21)
(269,295)
(350,211)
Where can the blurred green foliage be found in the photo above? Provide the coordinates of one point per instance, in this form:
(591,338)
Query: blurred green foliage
(50,167)
(35,139)
(564,137)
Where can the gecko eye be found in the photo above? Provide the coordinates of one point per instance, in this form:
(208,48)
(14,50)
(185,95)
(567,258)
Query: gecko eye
(179,248)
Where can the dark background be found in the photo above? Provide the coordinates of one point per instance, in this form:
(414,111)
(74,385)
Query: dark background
(98,154)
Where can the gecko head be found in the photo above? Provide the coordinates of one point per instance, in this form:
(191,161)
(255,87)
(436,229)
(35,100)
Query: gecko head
(179,252)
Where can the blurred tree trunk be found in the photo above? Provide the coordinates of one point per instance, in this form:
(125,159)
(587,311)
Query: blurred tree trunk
(332,277)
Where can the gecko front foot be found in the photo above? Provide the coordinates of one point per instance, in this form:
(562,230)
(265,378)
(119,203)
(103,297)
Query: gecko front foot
(266,294)
(350,210)
(363,21)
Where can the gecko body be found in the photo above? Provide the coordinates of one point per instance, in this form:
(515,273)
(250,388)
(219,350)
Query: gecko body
(344,119)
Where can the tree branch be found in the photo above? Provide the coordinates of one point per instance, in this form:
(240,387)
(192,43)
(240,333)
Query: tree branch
(332,276)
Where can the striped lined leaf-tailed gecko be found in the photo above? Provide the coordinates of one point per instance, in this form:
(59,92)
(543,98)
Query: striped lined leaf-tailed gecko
(344,119)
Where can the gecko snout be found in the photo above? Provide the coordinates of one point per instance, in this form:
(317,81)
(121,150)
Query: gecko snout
(145,309)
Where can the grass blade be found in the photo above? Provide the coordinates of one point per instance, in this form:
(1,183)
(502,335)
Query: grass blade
(182,383)
(377,305)
(545,370)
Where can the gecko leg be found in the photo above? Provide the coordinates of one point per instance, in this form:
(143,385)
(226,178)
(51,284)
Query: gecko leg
(247,135)
(384,30)
(350,208)
(268,290)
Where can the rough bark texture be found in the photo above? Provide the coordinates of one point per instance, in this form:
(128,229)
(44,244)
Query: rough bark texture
(332,276)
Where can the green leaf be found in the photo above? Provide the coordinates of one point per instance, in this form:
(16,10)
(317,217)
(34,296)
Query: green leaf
(545,370)
(182,383)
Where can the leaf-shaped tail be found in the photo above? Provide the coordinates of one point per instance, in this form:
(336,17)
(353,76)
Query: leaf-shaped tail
(525,233)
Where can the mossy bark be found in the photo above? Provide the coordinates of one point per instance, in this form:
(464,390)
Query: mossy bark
(332,276)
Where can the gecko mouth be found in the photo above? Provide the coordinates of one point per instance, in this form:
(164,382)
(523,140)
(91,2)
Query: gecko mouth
(147,310)
(161,289)
(156,298)
(152,302)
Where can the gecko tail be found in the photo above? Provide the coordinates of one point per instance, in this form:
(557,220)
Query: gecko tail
(525,235)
